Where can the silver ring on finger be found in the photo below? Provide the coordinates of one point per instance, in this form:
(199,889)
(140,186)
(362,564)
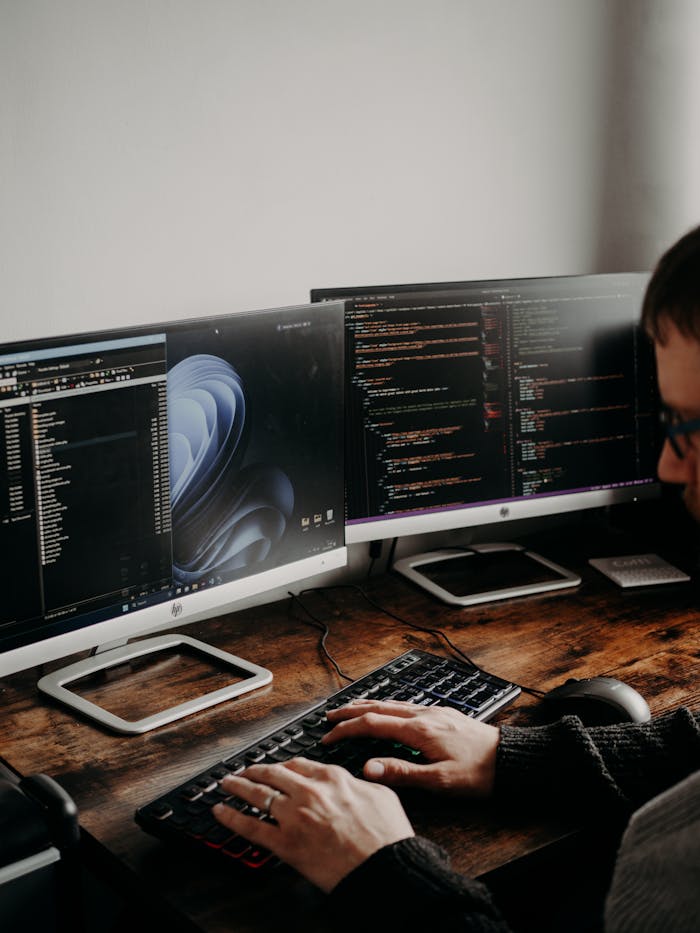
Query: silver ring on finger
(272,796)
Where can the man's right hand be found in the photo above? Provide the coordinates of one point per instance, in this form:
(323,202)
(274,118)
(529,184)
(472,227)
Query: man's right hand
(459,752)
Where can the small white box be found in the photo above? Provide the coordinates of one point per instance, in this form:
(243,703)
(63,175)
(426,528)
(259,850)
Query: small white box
(639,570)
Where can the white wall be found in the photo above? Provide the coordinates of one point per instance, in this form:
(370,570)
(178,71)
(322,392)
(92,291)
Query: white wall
(172,158)
(169,158)
(651,131)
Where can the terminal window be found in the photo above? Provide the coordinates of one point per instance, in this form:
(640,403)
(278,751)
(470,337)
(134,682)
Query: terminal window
(492,391)
(85,503)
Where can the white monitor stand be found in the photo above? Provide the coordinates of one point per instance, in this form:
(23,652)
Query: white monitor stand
(481,573)
(249,677)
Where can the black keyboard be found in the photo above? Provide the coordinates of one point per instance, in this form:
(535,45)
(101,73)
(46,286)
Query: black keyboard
(183,814)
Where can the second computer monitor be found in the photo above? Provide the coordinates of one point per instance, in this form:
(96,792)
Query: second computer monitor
(152,476)
(469,403)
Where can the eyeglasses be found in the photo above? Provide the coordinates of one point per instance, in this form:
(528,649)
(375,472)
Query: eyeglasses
(678,432)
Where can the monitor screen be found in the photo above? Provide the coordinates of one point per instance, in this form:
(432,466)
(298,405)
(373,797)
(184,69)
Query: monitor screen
(152,476)
(477,402)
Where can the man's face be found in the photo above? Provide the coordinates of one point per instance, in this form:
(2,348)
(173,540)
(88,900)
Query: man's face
(678,369)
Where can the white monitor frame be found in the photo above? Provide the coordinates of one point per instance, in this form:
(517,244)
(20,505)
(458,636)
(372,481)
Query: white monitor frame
(183,610)
(466,516)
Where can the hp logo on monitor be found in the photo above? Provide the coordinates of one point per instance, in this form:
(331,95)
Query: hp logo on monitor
(176,609)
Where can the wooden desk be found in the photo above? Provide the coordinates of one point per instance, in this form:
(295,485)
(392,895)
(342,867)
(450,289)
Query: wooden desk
(649,639)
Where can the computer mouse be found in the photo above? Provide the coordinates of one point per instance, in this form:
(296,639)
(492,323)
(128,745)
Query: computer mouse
(597,701)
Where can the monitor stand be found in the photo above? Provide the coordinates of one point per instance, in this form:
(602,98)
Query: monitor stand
(249,677)
(481,573)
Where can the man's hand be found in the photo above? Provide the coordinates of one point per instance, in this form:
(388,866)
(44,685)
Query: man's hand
(460,752)
(325,822)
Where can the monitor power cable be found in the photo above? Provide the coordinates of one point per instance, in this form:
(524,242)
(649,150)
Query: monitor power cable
(436,632)
(375,552)
(317,623)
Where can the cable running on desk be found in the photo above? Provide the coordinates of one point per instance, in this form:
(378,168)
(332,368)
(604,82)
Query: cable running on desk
(436,632)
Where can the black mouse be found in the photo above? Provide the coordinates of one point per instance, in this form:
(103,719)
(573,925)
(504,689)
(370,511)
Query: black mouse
(597,701)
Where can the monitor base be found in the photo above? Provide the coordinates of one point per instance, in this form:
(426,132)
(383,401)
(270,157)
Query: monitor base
(55,684)
(481,573)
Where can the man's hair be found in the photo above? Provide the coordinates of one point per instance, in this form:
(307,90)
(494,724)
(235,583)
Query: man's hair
(673,293)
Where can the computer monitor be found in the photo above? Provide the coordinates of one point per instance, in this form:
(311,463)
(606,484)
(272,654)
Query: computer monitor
(152,476)
(470,403)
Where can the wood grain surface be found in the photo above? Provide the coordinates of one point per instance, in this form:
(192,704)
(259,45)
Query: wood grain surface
(649,638)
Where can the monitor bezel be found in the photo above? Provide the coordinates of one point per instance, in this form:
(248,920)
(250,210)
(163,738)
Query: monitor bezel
(183,610)
(362,531)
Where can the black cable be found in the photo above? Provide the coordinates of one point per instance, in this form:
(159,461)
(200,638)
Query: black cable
(375,552)
(438,633)
(421,628)
(457,547)
(390,558)
(319,624)
(532,691)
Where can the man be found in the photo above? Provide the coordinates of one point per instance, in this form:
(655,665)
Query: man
(353,839)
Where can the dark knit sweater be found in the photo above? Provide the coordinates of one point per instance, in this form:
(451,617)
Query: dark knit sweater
(612,770)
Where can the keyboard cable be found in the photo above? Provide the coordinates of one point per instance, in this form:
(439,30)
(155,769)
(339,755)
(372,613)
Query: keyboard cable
(436,632)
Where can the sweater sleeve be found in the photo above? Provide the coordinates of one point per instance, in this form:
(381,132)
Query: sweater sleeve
(614,768)
(410,886)
(410,883)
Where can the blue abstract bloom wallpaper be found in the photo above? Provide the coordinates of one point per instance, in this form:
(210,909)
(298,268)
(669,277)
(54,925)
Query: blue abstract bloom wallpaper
(248,418)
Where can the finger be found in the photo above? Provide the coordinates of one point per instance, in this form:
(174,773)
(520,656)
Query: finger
(277,776)
(377,725)
(359,707)
(316,770)
(394,772)
(257,831)
(291,775)
(256,793)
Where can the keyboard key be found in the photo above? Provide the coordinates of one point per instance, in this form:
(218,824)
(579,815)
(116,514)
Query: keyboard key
(236,847)
(256,857)
(217,836)
(161,811)
(235,765)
